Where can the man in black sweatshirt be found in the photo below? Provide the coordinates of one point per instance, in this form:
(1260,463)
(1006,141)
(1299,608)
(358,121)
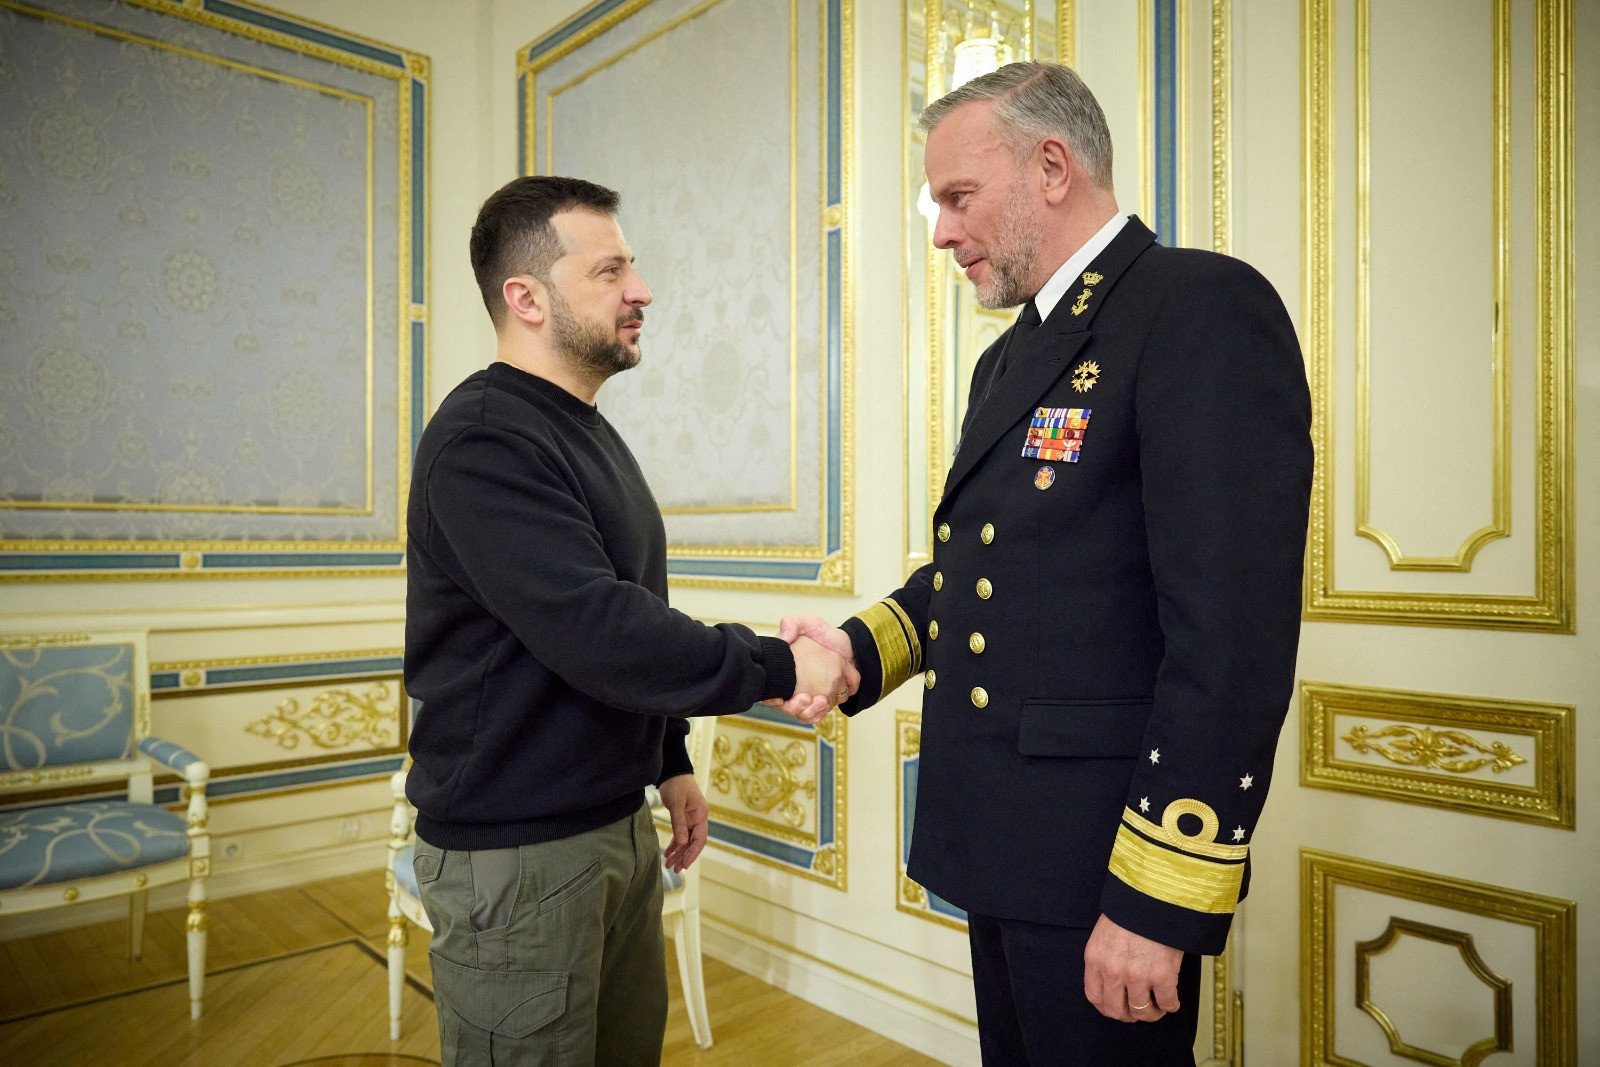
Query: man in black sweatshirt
(552,674)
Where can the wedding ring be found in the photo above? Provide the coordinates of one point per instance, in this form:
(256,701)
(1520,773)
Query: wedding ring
(1139,1007)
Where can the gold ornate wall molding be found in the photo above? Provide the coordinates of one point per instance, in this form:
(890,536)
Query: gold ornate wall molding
(335,720)
(1464,943)
(777,793)
(157,469)
(777,512)
(1541,266)
(365,715)
(910,897)
(1499,524)
(1441,750)
(1550,923)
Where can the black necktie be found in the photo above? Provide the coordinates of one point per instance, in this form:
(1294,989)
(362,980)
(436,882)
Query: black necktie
(1021,330)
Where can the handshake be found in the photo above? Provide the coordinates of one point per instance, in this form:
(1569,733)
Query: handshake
(824,667)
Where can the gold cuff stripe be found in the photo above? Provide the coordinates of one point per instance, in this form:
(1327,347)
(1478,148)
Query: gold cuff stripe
(894,645)
(911,633)
(1169,833)
(1186,881)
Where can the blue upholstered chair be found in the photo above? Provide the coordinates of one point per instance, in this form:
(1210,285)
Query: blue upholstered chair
(75,710)
(680,906)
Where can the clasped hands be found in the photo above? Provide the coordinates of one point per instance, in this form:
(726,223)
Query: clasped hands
(824,667)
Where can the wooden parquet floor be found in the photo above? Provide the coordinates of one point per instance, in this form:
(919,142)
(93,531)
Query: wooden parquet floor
(297,976)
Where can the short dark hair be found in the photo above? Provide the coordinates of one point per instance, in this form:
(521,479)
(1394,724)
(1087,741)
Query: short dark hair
(513,234)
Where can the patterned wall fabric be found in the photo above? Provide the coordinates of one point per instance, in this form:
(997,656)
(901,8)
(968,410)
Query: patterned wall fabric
(64,705)
(68,842)
(199,271)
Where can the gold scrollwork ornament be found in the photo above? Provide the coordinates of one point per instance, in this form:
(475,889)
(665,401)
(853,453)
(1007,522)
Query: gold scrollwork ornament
(335,719)
(1422,746)
(763,777)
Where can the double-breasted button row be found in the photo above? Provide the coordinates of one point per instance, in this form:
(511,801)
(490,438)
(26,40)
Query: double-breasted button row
(975,641)
(986,535)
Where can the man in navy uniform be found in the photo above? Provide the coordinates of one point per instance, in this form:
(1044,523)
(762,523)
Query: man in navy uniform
(1108,627)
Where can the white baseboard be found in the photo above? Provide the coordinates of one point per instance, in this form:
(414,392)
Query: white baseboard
(898,1018)
(236,880)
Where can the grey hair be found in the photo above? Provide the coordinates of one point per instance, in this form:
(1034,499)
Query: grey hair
(1033,101)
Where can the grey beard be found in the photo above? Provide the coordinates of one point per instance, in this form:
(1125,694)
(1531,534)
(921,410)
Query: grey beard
(1011,257)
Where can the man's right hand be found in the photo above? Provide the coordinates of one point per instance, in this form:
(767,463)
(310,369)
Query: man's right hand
(812,701)
(823,680)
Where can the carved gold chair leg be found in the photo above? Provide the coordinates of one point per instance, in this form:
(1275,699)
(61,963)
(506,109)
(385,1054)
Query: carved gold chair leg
(199,868)
(399,937)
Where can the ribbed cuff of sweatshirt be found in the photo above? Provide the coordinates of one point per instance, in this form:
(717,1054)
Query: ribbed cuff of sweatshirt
(674,756)
(778,659)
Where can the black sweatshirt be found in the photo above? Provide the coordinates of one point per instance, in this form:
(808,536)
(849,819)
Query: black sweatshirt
(551,672)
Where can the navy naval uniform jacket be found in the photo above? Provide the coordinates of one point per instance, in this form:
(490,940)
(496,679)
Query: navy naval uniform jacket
(1109,622)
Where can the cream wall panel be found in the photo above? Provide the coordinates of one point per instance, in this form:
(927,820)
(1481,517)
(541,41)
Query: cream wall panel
(1442,429)
(1114,59)
(1401,963)
(1500,667)
(1433,408)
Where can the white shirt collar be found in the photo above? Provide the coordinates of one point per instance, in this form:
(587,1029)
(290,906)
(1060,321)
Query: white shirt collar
(1063,278)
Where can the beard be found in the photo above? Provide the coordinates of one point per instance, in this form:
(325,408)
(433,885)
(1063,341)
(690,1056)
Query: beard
(591,347)
(1010,254)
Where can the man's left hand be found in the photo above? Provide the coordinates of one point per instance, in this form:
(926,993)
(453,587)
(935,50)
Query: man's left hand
(1128,977)
(690,816)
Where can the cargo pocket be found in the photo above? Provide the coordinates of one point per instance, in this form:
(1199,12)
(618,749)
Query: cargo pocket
(509,1003)
(1085,729)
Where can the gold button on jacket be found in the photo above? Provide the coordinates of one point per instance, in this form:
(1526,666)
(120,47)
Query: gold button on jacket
(933,629)
(938,581)
(976,643)
(944,531)
(980,697)
(985,590)
(928,679)
(987,536)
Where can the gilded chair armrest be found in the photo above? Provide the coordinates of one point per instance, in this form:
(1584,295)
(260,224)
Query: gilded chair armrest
(180,759)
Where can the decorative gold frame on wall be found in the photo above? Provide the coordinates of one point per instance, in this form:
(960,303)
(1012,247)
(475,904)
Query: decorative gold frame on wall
(1549,728)
(910,897)
(820,857)
(1463,942)
(828,565)
(178,679)
(1553,922)
(43,559)
(1550,606)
